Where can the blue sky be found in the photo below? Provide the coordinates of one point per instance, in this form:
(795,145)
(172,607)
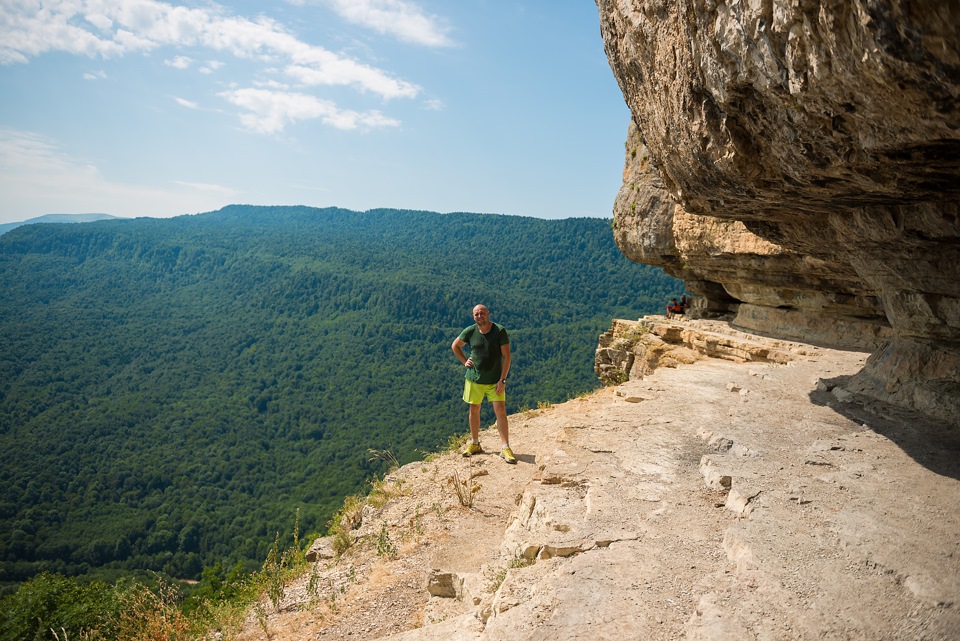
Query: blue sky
(151,108)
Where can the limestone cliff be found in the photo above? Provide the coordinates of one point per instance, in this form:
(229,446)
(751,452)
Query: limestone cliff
(797,163)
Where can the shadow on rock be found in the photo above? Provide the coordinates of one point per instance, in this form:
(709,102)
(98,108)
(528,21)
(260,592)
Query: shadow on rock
(932,443)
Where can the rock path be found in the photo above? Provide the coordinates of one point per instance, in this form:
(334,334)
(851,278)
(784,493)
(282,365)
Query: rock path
(714,501)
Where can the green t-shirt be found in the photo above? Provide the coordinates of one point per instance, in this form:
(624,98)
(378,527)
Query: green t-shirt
(485,352)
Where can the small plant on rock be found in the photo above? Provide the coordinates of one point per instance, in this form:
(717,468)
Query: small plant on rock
(465,488)
(346,519)
(501,575)
(313,584)
(456,442)
(614,378)
(273,575)
(387,457)
(261,613)
(385,547)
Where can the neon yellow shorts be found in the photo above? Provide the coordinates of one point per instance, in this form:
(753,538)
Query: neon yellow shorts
(473,393)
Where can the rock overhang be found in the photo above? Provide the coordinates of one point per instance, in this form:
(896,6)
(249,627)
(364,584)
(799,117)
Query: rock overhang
(798,165)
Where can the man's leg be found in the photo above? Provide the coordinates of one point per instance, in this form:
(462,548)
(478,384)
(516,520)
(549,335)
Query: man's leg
(500,409)
(475,422)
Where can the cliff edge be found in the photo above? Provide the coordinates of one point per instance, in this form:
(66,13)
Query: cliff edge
(798,165)
(731,494)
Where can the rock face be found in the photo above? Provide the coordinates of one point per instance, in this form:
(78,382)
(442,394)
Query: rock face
(797,163)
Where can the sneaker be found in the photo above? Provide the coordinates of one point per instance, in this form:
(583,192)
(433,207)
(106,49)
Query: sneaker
(471,449)
(507,455)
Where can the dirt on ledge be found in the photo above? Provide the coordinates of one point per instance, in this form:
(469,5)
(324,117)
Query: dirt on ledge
(714,501)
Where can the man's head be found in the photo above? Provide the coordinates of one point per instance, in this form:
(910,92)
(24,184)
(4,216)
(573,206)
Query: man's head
(481,315)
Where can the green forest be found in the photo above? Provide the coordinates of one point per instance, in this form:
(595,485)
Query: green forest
(172,391)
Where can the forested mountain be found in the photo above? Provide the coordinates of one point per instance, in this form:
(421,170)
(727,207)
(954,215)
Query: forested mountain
(171,391)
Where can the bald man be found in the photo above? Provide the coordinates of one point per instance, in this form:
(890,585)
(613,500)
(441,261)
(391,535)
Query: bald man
(488,364)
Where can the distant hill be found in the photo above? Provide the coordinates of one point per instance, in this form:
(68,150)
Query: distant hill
(57,218)
(172,391)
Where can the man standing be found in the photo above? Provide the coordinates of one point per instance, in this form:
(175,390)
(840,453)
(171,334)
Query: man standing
(487,368)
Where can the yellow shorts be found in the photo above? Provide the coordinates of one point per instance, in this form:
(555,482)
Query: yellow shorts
(473,393)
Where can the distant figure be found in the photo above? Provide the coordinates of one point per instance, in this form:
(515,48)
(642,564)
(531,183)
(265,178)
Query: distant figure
(486,375)
(674,308)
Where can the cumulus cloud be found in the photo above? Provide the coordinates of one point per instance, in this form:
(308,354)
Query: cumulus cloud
(399,18)
(270,111)
(113,28)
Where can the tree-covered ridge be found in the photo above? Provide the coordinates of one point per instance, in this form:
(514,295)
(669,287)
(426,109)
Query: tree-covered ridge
(172,390)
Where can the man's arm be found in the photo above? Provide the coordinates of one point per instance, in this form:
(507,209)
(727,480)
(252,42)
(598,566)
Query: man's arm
(504,367)
(457,348)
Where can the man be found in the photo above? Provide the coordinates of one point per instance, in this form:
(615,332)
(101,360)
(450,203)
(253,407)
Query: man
(674,309)
(486,375)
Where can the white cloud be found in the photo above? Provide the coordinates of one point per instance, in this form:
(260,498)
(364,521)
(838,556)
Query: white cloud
(435,105)
(179,62)
(272,84)
(29,30)
(211,66)
(111,28)
(185,62)
(189,104)
(100,21)
(270,111)
(343,72)
(37,177)
(95,75)
(399,18)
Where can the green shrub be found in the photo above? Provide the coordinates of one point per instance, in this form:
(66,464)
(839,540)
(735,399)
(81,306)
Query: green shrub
(55,602)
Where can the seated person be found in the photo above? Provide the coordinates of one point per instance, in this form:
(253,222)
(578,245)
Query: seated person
(674,308)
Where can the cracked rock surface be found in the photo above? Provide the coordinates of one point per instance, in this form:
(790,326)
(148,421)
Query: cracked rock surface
(697,512)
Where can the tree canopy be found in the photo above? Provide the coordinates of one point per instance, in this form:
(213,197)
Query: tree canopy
(171,391)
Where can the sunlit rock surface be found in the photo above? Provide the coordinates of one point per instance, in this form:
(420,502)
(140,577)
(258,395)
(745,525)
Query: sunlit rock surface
(798,165)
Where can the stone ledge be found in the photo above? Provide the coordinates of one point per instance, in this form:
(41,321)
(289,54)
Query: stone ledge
(634,349)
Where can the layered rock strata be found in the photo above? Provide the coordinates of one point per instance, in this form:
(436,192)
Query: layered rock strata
(797,164)
(631,350)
